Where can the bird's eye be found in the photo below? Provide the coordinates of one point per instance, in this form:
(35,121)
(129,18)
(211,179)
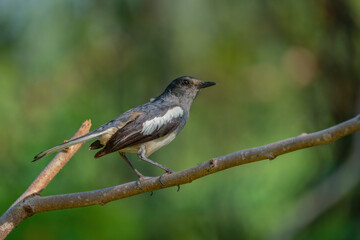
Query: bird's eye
(186,82)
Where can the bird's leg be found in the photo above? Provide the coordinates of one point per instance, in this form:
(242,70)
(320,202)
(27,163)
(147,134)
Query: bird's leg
(142,155)
(131,165)
(141,177)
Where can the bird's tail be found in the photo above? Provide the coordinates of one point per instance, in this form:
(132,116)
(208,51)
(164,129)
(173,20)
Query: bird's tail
(86,137)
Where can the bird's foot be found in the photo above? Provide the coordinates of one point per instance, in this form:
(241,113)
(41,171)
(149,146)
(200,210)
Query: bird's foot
(168,171)
(140,180)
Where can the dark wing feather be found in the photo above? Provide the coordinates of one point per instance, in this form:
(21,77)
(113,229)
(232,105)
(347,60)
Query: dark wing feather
(96,145)
(131,135)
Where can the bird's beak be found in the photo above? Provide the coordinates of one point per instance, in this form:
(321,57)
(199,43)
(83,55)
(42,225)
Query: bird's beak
(206,84)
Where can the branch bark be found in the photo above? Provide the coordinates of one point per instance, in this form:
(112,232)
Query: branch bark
(29,205)
(15,214)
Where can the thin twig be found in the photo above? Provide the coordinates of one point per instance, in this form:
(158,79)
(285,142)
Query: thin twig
(320,198)
(12,217)
(323,196)
(36,204)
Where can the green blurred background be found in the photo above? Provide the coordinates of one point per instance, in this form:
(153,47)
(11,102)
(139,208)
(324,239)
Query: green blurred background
(282,68)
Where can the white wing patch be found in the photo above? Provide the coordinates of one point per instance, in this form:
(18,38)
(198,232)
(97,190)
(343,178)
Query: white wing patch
(156,123)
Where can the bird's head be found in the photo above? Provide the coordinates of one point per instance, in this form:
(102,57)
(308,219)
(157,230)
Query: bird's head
(186,87)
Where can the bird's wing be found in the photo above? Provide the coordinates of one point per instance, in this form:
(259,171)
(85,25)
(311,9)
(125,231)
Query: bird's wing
(111,126)
(144,129)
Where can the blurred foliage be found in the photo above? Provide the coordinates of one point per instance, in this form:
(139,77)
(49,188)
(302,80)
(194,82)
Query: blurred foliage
(282,68)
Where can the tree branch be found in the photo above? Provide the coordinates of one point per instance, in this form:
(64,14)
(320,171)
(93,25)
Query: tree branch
(320,198)
(15,214)
(35,203)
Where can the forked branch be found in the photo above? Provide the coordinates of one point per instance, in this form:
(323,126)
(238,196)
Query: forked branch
(31,202)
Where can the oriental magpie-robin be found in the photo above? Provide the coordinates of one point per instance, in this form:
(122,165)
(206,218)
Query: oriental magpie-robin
(146,128)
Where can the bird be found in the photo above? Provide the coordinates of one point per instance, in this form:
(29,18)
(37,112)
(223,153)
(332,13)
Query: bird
(146,128)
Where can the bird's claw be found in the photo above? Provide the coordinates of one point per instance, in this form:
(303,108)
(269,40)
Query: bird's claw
(141,179)
(169,171)
(138,185)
